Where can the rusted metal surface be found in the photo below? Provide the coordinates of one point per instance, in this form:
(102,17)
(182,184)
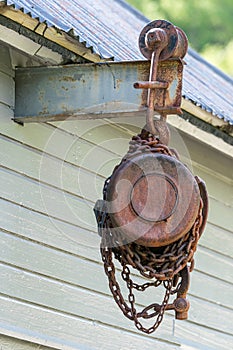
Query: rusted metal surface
(153,210)
(160,40)
(150,85)
(163,36)
(165,262)
(90,91)
(133,205)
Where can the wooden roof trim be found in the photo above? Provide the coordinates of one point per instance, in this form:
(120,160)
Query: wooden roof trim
(50,33)
(207,117)
(202,136)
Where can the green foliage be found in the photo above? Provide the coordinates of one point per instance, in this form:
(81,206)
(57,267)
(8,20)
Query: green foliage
(207,23)
(220,56)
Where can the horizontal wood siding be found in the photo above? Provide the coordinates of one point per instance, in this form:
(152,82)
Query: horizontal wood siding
(9,343)
(54,293)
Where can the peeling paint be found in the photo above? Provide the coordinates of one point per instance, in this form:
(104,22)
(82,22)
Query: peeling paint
(91,89)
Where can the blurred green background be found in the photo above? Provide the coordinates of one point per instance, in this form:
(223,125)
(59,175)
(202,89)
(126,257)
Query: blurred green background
(207,23)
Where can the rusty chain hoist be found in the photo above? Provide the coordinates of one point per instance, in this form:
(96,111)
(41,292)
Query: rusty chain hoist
(153,210)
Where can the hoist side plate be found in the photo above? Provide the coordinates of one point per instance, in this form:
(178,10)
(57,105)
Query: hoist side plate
(153,199)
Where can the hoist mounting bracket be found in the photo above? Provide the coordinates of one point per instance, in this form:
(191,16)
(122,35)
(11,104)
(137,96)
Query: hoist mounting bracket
(160,40)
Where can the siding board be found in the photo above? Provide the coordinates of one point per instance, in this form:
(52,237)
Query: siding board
(94,272)
(45,199)
(72,300)
(203,338)
(217,239)
(78,272)
(49,170)
(34,225)
(214,264)
(223,192)
(57,203)
(83,243)
(211,288)
(207,261)
(49,231)
(9,343)
(99,132)
(7,90)
(54,332)
(64,146)
(60,330)
(74,149)
(225,221)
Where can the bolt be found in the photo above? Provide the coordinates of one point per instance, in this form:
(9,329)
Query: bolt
(155,38)
(181,307)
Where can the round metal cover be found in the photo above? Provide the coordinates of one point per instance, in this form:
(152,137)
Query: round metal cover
(171,32)
(153,199)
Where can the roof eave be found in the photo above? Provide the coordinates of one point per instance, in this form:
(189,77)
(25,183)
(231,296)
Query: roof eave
(51,34)
(207,117)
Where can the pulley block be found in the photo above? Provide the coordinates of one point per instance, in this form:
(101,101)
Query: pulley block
(154,209)
(153,198)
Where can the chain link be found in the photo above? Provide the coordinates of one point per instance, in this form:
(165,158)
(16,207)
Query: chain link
(129,310)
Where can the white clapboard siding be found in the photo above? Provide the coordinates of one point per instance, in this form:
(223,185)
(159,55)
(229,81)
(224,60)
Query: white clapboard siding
(31,318)
(41,291)
(83,243)
(7,88)
(74,300)
(217,239)
(218,265)
(192,336)
(72,209)
(79,212)
(6,85)
(34,225)
(193,302)
(100,132)
(71,299)
(58,203)
(213,264)
(46,199)
(87,274)
(216,207)
(64,331)
(102,164)
(79,150)
(210,288)
(105,337)
(50,170)
(49,231)
(54,292)
(61,145)
(9,343)
(223,192)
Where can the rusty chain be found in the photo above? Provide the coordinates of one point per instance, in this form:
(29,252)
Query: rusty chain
(130,311)
(163,264)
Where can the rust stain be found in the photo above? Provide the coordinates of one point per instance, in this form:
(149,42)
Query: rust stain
(75,77)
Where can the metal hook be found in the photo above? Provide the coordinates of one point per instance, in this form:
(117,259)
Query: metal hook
(159,40)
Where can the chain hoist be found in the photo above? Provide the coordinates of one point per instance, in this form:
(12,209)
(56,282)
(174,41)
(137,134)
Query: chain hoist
(153,210)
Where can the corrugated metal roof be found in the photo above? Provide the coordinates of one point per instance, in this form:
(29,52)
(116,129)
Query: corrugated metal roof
(100,24)
(111,29)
